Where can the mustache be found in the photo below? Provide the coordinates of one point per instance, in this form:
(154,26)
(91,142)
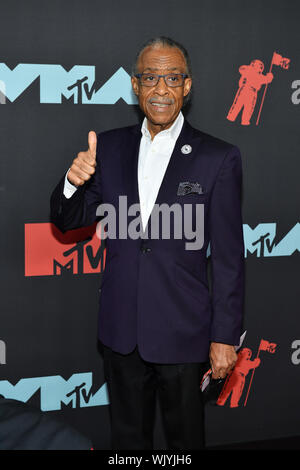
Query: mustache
(161,101)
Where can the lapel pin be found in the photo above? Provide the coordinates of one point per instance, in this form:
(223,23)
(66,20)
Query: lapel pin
(186,149)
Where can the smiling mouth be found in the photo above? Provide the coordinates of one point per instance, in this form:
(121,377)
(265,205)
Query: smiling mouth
(157,104)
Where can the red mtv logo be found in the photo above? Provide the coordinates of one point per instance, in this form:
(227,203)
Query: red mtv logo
(49,252)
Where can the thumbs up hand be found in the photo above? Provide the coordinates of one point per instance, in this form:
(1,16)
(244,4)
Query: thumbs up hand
(83,166)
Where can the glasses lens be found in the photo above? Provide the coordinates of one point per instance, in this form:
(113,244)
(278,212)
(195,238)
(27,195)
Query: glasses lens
(149,79)
(174,79)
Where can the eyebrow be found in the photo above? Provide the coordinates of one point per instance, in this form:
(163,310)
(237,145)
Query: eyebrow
(155,69)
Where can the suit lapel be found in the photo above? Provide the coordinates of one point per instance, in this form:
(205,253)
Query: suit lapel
(130,165)
(176,166)
(178,163)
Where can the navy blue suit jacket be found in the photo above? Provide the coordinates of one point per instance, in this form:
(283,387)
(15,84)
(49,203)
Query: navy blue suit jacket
(154,292)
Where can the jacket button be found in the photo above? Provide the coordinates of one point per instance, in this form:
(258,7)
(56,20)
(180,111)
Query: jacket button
(145,249)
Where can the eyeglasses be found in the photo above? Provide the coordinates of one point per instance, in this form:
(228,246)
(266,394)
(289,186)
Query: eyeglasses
(171,79)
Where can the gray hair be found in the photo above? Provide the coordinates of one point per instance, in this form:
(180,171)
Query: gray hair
(165,42)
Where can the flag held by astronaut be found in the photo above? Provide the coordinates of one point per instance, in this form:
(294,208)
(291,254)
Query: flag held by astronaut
(266,346)
(282,62)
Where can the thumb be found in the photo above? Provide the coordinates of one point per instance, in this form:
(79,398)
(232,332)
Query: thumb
(92,141)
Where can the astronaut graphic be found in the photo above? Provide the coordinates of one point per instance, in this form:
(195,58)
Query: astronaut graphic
(235,381)
(251,81)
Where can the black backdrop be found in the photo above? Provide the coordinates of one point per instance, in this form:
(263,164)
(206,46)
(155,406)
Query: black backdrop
(49,322)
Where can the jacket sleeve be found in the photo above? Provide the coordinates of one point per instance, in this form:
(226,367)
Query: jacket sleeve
(80,209)
(227,251)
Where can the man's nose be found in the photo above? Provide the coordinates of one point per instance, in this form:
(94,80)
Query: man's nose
(161,87)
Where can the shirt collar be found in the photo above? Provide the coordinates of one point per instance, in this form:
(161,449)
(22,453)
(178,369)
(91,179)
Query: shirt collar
(173,131)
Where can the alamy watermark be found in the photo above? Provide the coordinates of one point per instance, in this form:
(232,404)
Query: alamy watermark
(2,92)
(2,352)
(166,220)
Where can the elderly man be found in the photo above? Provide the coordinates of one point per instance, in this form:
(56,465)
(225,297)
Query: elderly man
(158,321)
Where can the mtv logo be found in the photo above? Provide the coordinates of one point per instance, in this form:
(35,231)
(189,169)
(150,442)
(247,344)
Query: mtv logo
(48,252)
(261,240)
(59,268)
(56,82)
(55,391)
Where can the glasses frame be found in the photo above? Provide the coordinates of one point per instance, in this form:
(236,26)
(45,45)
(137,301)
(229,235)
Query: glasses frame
(183,75)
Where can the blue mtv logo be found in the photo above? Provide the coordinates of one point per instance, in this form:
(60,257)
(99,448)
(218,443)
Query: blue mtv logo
(261,240)
(78,83)
(54,390)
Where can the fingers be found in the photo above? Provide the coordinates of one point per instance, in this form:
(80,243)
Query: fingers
(92,141)
(221,372)
(74,179)
(82,169)
(218,372)
(83,166)
(221,369)
(223,359)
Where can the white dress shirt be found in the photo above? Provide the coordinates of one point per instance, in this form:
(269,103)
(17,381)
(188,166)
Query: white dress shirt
(154,156)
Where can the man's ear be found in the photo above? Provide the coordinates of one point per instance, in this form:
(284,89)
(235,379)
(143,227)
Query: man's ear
(187,86)
(135,85)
